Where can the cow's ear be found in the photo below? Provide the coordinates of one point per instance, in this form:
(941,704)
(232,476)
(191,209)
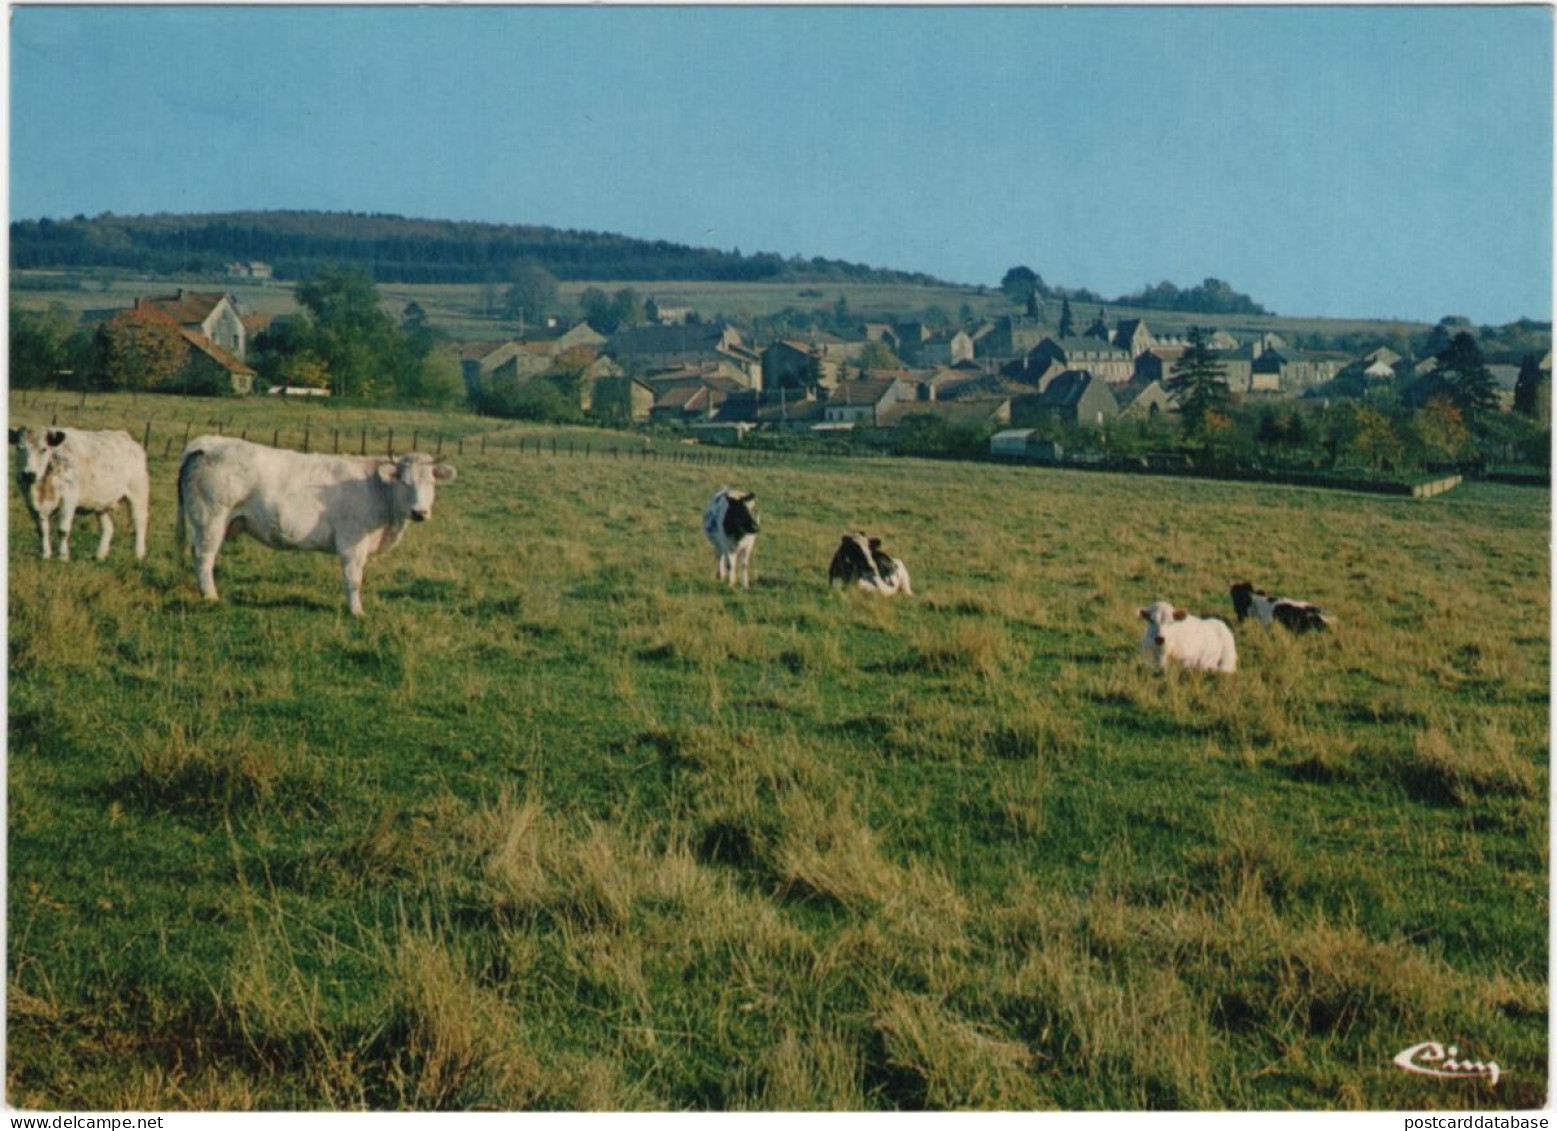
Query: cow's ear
(1179,614)
(1143,614)
(389,472)
(56,438)
(443,473)
(875,543)
(16,435)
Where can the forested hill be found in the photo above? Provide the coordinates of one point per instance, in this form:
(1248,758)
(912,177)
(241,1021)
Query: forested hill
(397,249)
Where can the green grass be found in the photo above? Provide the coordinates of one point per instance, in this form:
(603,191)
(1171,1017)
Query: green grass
(563,824)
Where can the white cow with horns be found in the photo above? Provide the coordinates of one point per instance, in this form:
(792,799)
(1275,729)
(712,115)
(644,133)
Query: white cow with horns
(65,471)
(351,506)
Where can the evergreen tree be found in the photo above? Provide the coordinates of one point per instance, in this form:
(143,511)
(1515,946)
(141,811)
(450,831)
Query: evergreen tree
(1067,321)
(1198,381)
(1466,377)
(1527,389)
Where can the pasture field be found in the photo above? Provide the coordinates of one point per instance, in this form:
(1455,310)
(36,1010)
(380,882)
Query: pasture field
(563,824)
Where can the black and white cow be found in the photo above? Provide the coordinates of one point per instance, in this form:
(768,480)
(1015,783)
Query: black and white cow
(861,561)
(730,524)
(1294,616)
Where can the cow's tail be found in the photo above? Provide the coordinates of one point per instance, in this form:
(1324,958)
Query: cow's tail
(186,472)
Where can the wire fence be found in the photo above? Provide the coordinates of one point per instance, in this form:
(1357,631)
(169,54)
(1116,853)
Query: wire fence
(167,437)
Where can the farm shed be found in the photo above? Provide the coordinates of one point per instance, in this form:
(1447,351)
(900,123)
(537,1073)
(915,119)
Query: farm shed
(1024,443)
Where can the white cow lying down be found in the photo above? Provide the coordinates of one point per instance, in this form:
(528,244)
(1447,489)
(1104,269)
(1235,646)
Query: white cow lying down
(1193,642)
(67,470)
(352,506)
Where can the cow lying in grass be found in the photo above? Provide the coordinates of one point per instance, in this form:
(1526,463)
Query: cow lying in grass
(730,525)
(861,561)
(351,506)
(66,470)
(1295,616)
(1200,644)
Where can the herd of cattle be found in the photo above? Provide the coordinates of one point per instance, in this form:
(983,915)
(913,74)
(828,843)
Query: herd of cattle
(359,506)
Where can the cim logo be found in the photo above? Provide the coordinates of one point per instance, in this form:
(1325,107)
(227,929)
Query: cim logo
(1431,1059)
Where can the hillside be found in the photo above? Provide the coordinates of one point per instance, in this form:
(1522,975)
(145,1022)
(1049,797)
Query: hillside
(397,249)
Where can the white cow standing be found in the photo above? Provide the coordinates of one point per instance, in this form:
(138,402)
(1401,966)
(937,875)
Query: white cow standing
(67,470)
(730,525)
(352,506)
(1200,644)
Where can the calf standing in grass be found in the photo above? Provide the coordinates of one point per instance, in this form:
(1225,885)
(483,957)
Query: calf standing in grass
(351,506)
(1294,616)
(66,470)
(861,561)
(730,524)
(1200,644)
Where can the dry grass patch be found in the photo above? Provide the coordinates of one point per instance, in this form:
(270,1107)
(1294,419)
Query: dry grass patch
(1457,766)
(933,1059)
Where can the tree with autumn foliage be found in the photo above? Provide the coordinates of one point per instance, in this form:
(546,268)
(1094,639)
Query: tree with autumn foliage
(140,354)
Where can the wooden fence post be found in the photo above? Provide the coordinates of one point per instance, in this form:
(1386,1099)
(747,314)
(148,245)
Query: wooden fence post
(462,446)
(275,438)
(305,439)
(364,441)
(245,434)
(391,448)
(414,435)
(146,439)
(438,454)
(187,424)
(167,448)
(483,444)
(335,440)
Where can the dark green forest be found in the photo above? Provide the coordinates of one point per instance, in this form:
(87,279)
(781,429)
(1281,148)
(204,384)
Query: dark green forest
(396,249)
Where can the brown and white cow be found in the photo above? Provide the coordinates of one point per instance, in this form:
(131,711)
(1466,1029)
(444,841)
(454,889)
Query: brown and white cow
(351,506)
(67,471)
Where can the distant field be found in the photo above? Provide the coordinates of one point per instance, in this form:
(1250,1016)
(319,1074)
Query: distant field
(459,309)
(563,824)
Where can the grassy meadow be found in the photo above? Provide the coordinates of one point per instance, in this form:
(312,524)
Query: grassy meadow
(564,824)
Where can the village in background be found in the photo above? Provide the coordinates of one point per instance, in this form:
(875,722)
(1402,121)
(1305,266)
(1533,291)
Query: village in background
(1202,379)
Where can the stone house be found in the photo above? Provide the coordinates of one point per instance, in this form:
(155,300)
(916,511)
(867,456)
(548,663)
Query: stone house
(1010,335)
(860,401)
(1100,358)
(215,316)
(645,348)
(1288,370)
(627,398)
(206,367)
(1074,397)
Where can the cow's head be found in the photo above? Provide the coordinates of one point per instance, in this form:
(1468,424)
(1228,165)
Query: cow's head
(413,480)
(1243,598)
(1161,613)
(740,514)
(34,452)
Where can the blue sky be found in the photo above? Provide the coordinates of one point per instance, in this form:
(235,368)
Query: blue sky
(1368,162)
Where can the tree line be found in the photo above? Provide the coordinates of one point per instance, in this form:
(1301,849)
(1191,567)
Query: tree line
(398,249)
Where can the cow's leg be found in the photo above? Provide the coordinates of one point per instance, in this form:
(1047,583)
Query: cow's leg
(353,560)
(45,534)
(207,533)
(745,555)
(67,520)
(105,526)
(140,514)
